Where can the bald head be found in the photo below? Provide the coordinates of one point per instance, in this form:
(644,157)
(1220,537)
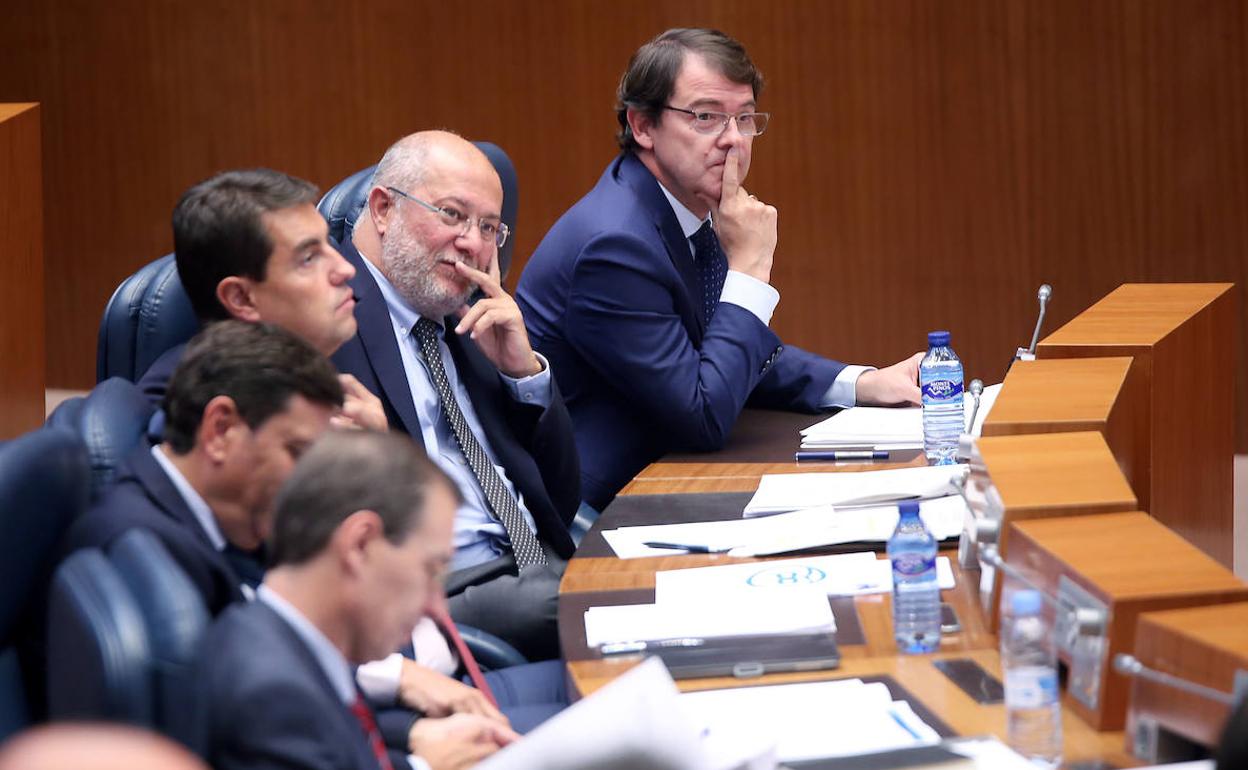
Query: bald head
(99,747)
(415,159)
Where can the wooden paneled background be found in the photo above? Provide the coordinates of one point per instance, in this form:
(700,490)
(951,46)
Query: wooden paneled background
(933,161)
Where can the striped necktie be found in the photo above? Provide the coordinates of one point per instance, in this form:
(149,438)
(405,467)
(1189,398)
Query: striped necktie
(501,502)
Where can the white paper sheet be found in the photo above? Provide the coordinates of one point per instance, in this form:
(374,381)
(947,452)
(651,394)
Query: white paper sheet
(794,531)
(814,720)
(874,427)
(710,616)
(635,721)
(783,492)
(848,574)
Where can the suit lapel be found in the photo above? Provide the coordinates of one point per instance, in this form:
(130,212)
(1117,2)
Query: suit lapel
(376,336)
(646,188)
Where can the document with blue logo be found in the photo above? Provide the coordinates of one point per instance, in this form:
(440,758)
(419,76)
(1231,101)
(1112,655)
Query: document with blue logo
(847,574)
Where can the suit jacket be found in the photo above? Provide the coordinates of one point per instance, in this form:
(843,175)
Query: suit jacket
(611,298)
(155,381)
(534,445)
(144,497)
(268,704)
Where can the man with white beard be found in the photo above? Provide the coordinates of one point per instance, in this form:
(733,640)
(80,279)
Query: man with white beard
(463,380)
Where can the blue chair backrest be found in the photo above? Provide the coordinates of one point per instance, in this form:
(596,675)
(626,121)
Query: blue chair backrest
(111,420)
(342,204)
(44,479)
(148,314)
(176,619)
(98,653)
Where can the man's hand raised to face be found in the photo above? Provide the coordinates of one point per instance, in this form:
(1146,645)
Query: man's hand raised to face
(496,325)
(745,225)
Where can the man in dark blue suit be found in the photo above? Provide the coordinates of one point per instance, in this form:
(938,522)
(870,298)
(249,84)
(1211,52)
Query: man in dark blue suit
(361,538)
(464,381)
(651,295)
(244,403)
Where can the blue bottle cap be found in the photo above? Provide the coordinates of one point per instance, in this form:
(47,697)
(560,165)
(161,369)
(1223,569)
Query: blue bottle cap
(910,508)
(937,339)
(1026,602)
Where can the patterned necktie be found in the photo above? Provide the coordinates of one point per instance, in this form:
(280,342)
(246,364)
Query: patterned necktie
(712,268)
(523,542)
(442,619)
(365,716)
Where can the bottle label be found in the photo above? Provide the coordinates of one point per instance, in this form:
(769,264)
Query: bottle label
(942,389)
(913,563)
(1030,687)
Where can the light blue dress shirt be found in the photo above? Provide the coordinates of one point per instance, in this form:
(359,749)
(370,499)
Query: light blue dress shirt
(479,537)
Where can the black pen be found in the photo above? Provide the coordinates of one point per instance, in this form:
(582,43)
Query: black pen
(690,547)
(805,455)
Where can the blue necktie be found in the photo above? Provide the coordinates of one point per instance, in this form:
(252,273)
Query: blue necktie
(712,268)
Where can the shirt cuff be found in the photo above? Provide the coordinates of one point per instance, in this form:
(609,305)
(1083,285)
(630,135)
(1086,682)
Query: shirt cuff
(844,390)
(534,389)
(417,763)
(758,297)
(380,679)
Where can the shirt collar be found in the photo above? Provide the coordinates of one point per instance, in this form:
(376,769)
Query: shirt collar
(403,315)
(689,222)
(330,658)
(203,514)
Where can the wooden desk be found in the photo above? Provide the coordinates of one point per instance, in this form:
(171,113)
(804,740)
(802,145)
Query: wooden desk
(1180,337)
(1066,395)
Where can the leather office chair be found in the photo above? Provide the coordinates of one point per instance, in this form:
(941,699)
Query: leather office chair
(111,420)
(147,314)
(175,618)
(342,204)
(490,652)
(98,652)
(43,486)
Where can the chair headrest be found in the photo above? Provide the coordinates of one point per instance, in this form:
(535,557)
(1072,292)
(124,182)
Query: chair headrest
(44,478)
(175,612)
(147,314)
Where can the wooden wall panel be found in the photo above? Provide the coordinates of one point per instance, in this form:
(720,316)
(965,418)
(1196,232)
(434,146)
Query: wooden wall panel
(21,255)
(933,162)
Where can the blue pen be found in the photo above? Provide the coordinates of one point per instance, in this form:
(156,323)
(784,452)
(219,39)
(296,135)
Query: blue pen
(904,726)
(806,455)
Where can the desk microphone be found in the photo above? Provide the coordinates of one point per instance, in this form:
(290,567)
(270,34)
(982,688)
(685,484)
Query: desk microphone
(1129,665)
(1029,353)
(977,390)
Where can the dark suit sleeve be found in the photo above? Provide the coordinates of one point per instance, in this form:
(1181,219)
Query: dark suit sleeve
(548,437)
(623,319)
(798,381)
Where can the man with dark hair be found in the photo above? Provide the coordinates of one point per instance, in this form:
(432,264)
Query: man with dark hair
(361,539)
(464,382)
(251,245)
(244,403)
(651,295)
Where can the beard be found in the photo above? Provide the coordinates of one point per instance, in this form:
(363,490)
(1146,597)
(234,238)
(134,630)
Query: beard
(410,265)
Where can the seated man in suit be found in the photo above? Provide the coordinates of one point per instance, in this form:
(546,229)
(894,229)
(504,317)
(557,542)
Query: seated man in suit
(464,382)
(244,403)
(651,295)
(252,247)
(361,539)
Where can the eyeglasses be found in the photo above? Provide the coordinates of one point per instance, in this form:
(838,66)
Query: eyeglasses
(706,122)
(492,230)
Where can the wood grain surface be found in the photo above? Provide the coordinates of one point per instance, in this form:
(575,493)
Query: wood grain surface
(932,163)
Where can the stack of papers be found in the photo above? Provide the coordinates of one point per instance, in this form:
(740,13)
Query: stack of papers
(781,492)
(756,584)
(810,721)
(867,427)
(709,616)
(785,532)
(886,428)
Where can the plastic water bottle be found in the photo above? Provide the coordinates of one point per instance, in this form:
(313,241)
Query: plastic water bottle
(916,595)
(940,378)
(1029,660)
